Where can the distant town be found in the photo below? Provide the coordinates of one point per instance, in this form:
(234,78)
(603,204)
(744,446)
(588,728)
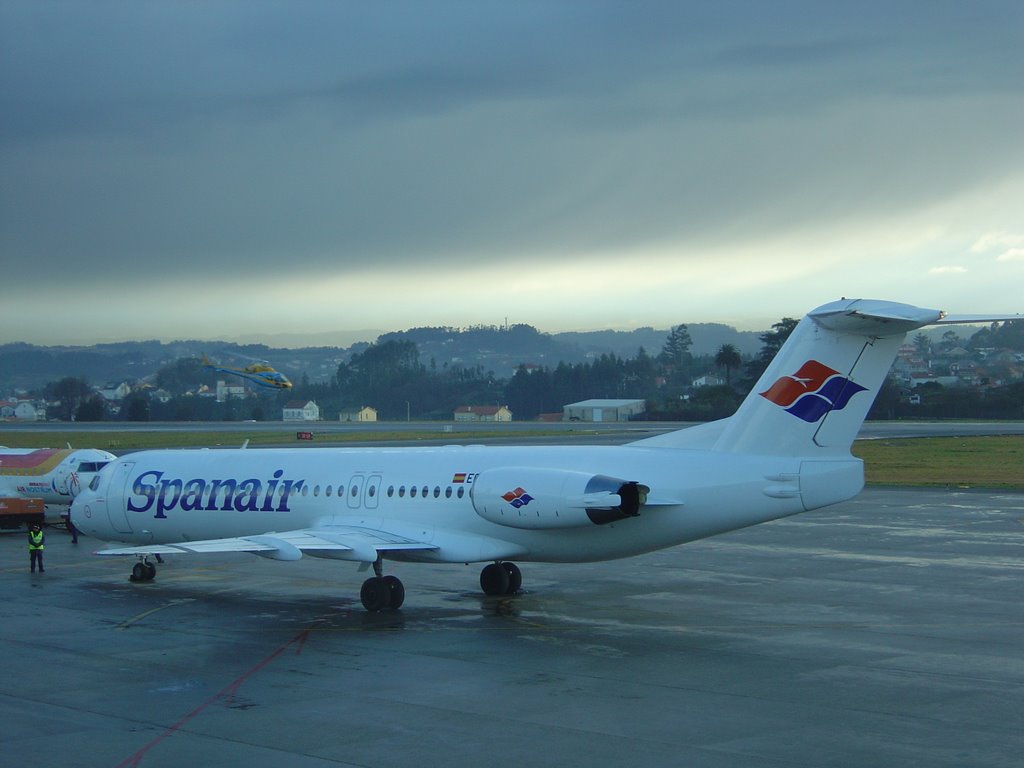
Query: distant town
(689,372)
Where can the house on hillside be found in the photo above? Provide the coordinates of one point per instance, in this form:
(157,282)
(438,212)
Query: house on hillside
(708,380)
(483,413)
(113,393)
(300,410)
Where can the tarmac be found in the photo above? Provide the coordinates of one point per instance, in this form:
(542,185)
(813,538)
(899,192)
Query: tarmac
(885,631)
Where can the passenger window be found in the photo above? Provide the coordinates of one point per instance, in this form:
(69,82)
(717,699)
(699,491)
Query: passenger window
(448,492)
(316,490)
(401,491)
(437,491)
(328,491)
(371,491)
(354,491)
(305,490)
(460,492)
(425,491)
(391,491)
(412,492)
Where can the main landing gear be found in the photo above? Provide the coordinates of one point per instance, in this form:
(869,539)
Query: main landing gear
(501,578)
(143,570)
(382,593)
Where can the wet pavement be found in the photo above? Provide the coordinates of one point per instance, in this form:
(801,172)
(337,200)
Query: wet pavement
(883,631)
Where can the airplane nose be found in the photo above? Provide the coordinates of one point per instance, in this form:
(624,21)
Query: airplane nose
(80,512)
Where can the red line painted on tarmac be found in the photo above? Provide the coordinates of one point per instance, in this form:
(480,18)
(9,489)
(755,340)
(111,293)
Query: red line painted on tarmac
(227,693)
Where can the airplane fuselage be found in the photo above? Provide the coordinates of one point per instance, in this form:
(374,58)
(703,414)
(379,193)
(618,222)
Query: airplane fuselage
(54,475)
(461,497)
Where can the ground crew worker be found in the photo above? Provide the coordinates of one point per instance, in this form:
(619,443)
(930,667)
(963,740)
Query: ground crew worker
(35,547)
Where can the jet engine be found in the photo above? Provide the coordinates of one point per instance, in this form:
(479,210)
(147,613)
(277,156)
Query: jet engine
(522,497)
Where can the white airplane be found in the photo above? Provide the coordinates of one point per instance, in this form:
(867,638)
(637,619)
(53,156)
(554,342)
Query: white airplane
(786,450)
(54,475)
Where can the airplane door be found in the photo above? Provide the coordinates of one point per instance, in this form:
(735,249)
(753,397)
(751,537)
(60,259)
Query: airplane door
(355,491)
(61,483)
(371,492)
(117,510)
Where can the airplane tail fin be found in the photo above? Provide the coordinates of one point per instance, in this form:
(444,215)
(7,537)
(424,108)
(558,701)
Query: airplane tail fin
(816,393)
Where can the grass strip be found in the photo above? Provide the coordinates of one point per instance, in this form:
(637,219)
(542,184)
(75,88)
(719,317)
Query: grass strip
(961,462)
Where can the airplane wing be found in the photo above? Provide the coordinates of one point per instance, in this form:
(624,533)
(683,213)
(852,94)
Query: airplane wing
(341,542)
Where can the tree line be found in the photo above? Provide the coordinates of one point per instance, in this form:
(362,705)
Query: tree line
(391,377)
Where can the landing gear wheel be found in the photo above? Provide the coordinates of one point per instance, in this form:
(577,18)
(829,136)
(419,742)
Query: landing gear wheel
(494,579)
(143,571)
(396,592)
(515,577)
(376,594)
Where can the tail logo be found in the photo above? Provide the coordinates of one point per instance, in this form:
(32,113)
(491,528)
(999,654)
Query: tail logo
(812,391)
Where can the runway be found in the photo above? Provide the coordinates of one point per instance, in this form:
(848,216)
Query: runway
(427,433)
(883,631)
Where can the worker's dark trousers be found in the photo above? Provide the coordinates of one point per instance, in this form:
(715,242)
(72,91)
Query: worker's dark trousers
(36,555)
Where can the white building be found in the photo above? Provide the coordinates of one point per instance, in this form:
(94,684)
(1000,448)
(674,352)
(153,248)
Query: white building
(709,380)
(301,410)
(224,391)
(115,392)
(28,411)
(603,410)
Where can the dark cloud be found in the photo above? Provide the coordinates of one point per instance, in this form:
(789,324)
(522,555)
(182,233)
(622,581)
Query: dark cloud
(265,138)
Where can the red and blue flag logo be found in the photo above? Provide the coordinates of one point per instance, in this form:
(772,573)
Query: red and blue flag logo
(517,498)
(812,391)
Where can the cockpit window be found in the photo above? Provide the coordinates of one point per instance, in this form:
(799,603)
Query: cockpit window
(94,484)
(92,466)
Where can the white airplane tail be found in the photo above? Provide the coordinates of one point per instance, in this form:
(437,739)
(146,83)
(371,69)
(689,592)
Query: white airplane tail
(817,391)
(815,394)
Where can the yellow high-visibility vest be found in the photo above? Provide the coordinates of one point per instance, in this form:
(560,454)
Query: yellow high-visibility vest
(35,540)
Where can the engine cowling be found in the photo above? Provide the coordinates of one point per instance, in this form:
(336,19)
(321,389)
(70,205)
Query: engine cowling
(528,497)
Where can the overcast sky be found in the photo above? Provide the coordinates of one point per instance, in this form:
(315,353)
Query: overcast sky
(226,169)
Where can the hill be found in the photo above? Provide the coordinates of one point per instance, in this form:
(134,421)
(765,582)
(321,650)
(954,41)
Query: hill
(27,367)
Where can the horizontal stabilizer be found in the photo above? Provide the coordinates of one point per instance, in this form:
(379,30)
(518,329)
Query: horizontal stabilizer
(964,319)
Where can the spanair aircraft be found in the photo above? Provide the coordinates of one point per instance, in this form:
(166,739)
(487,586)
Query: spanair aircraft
(258,373)
(786,450)
(54,475)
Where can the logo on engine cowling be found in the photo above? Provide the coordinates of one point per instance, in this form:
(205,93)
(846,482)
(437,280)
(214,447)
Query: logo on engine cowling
(517,498)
